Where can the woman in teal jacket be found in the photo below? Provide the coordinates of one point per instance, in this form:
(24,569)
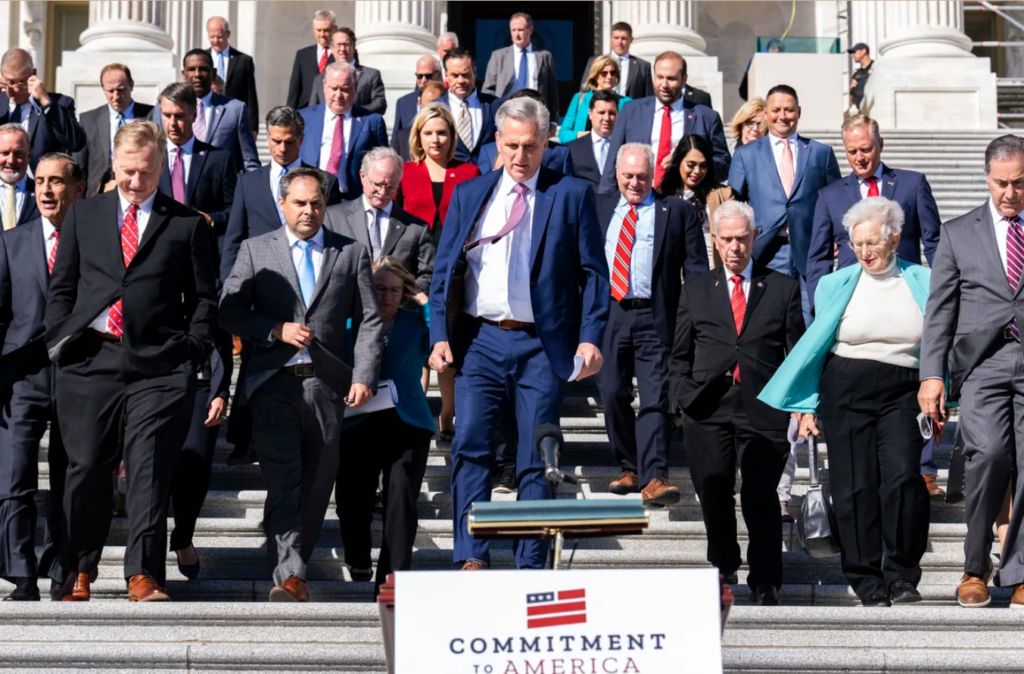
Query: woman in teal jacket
(604,74)
(393,441)
(857,369)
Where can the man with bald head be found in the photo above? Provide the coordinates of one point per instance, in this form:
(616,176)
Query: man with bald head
(428,69)
(48,117)
(233,67)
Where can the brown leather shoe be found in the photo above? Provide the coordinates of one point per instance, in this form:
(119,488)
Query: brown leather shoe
(934,490)
(973,592)
(290,591)
(472,565)
(76,588)
(144,588)
(628,483)
(1017,600)
(659,493)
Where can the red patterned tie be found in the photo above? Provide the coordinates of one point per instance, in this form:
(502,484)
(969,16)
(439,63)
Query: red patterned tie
(53,251)
(872,182)
(739,308)
(323,61)
(129,244)
(664,145)
(1014,262)
(623,254)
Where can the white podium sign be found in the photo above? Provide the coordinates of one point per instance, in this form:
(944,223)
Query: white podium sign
(644,621)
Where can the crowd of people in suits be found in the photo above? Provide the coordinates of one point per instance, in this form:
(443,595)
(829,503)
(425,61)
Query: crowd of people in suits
(755,296)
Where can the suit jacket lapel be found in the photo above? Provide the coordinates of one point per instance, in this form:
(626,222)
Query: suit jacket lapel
(395,232)
(157,221)
(723,302)
(103,130)
(660,229)
(852,188)
(987,235)
(39,255)
(802,159)
(768,158)
(357,221)
(888,182)
(112,229)
(270,207)
(194,171)
(757,285)
(33,124)
(353,135)
(215,116)
(284,261)
(326,265)
(230,67)
(541,212)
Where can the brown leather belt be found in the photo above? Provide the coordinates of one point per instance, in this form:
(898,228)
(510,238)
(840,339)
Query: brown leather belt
(300,369)
(508,324)
(106,336)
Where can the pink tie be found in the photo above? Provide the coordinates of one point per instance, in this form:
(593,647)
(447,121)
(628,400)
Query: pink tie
(337,146)
(515,216)
(1014,262)
(786,171)
(199,126)
(129,245)
(178,177)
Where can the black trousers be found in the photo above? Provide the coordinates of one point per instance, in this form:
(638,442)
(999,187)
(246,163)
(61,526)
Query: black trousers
(632,347)
(26,411)
(109,411)
(719,437)
(191,480)
(868,412)
(381,443)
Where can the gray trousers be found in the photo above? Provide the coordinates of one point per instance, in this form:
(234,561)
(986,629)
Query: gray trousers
(992,427)
(296,427)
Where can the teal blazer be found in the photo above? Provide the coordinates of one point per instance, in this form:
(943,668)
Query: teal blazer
(794,388)
(576,118)
(406,353)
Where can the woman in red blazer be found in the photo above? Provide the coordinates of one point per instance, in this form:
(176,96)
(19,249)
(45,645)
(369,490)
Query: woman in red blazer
(425,192)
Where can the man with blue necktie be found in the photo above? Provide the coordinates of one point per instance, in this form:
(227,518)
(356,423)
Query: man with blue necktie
(521,66)
(590,152)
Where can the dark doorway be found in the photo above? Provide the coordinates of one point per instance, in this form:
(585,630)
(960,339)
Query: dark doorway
(564,29)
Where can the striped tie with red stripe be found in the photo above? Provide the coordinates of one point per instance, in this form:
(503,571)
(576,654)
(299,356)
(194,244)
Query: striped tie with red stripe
(623,255)
(1014,262)
(129,245)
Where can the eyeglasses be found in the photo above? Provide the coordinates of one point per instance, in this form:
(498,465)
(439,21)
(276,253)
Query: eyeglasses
(381,187)
(608,73)
(424,76)
(753,123)
(871,244)
(385,291)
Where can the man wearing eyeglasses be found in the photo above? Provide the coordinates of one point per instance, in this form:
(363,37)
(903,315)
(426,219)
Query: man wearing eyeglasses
(48,118)
(381,225)
(369,85)
(427,70)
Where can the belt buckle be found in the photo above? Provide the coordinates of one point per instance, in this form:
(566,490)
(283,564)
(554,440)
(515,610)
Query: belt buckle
(304,370)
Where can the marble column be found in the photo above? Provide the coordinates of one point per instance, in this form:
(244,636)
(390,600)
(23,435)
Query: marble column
(391,35)
(132,32)
(186,27)
(925,76)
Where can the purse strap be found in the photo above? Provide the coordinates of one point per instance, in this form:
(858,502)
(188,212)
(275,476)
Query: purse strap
(812,458)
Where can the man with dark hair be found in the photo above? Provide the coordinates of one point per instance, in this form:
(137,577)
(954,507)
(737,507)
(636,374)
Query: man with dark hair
(235,69)
(635,73)
(556,157)
(589,152)
(100,124)
(311,61)
(861,56)
(27,255)
(370,92)
(220,121)
(663,119)
(521,66)
(301,376)
(473,110)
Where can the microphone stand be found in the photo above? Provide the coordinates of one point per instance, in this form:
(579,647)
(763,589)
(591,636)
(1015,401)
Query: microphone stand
(556,476)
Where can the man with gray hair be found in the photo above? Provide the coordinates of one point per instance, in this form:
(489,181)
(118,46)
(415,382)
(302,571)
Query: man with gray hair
(447,42)
(428,69)
(734,327)
(972,340)
(235,69)
(650,242)
(518,304)
(311,61)
(17,192)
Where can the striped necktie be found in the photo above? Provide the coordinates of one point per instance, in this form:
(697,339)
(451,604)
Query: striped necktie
(1014,262)
(10,214)
(466,126)
(739,310)
(129,246)
(624,255)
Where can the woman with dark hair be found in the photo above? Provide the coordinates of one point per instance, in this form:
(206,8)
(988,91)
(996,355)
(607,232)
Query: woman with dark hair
(691,176)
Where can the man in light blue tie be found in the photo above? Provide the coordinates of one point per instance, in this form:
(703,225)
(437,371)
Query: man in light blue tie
(589,152)
(235,69)
(521,66)
(292,293)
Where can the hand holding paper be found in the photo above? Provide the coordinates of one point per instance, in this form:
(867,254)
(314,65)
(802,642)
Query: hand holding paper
(591,359)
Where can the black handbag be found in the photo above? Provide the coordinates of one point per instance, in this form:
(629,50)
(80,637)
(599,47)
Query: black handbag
(817,524)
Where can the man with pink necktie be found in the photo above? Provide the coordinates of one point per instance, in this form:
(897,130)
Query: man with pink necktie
(780,176)
(338,133)
(129,319)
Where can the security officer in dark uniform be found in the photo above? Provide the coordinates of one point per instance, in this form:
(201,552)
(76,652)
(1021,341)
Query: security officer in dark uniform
(861,55)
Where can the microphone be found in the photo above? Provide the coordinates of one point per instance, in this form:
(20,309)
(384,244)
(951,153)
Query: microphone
(548,439)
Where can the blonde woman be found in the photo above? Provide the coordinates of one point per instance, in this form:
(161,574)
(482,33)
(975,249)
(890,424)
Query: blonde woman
(604,75)
(749,122)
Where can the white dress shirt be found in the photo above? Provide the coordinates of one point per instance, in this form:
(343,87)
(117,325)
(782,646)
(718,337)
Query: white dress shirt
(623,72)
(746,279)
(186,155)
(498,274)
(864,186)
(476,113)
(327,137)
(641,260)
(317,253)
(49,237)
(600,147)
(20,190)
(141,220)
(531,62)
(385,219)
(678,117)
(778,144)
(128,114)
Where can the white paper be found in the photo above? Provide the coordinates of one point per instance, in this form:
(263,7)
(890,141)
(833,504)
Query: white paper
(577,367)
(386,398)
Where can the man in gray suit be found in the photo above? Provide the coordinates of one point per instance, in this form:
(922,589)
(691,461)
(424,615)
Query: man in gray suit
(506,74)
(375,221)
(972,337)
(291,293)
(370,92)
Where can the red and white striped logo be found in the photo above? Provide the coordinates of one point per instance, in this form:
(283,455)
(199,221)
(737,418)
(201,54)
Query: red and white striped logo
(551,609)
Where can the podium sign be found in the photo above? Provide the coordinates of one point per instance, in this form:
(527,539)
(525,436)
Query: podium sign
(646,621)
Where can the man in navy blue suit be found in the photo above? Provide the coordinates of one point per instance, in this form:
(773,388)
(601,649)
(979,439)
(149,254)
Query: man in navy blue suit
(646,121)
(520,290)
(473,110)
(780,176)
(428,69)
(338,133)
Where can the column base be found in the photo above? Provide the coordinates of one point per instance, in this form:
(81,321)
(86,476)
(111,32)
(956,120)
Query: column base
(79,76)
(932,94)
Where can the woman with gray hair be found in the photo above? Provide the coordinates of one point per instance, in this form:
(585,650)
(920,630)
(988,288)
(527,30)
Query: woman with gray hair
(857,369)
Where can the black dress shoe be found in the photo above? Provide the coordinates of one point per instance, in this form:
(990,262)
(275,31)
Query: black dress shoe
(56,591)
(877,600)
(241,456)
(25,589)
(902,592)
(764,594)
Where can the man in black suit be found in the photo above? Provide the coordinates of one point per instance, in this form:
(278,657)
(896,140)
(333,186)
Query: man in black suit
(428,69)
(27,254)
(17,192)
(49,118)
(650,242)
(235,69)
(734,328)
(589,152)
(473,110)
(130,315)
(100,124)
(636,81)
(196,174)
(311,61)
(370,92)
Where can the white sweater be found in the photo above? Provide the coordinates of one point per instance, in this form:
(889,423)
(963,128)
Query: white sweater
(882,322)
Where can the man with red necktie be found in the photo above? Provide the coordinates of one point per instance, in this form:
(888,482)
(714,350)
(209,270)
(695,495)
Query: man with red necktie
(311,61)
(734,328)
(130,316)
